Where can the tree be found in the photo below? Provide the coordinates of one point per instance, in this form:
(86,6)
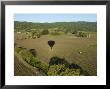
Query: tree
(38,35)
(56,69)
(70,72)
(74,32)
(81,34)
(45,32)
(62,70)
(59,66)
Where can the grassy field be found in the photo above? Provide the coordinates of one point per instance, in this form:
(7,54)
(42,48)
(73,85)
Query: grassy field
(78,50)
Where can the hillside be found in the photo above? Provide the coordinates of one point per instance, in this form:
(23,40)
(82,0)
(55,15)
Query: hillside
(66,26)
(21,68)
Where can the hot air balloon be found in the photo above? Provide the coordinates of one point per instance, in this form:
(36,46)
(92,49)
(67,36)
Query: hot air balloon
(51,43)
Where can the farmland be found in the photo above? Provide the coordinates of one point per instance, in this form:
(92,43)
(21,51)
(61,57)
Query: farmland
(78,50)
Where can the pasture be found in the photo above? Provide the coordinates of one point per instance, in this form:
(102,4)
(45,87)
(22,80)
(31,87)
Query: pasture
(78,50)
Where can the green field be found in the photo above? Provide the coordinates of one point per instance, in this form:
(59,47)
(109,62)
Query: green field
(78,50)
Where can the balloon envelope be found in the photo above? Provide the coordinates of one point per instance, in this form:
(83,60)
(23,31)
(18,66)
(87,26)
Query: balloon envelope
(51,43)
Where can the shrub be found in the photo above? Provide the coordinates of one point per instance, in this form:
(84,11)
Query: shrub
(56,69)
(18,49)
(62,70)
(74,32)
(70,72)
(38,35)
(34,62)
(59,66)
(35,34)
(26,55)
(81,34)
(45,32)
(44,67)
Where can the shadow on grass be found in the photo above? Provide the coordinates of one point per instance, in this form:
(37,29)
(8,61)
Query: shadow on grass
(33,51)
(56,60)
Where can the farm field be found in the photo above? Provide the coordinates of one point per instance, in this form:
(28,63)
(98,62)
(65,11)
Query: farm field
(78,50)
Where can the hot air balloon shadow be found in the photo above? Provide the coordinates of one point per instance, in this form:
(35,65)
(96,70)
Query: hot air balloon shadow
(51,43)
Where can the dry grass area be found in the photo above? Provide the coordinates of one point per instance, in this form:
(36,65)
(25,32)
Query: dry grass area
(81,51)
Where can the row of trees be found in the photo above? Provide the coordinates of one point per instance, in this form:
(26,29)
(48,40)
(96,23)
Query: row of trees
(31,59)
(55,31)
(64,26)
(56,67)
(36,33)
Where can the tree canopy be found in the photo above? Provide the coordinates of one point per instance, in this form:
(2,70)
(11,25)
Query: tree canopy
(62,26)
